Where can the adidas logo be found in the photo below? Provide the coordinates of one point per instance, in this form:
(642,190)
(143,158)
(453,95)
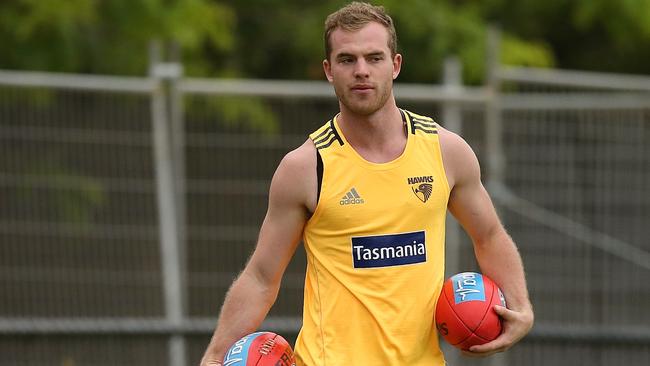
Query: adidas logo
(351,198)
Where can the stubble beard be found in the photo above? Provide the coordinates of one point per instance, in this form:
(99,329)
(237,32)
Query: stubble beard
(364,106)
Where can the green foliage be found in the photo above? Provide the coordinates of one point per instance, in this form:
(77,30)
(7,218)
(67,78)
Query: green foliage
(109,37)
(112,37)
(515,51)
(604,35)
(624,17)
(283,39)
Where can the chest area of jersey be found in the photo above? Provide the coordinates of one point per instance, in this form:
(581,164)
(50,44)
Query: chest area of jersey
(379,218)
(374,219)
(403,192)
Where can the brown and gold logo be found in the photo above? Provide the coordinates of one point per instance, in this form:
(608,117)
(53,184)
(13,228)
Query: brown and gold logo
(421,187)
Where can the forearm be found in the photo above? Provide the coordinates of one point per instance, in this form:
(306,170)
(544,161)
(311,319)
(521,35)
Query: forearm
(499,259)
(246,304)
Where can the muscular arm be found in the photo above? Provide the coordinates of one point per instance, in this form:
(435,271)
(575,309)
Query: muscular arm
(253,293)
(495,251)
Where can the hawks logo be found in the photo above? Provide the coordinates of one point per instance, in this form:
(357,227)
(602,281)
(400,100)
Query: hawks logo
(421,186)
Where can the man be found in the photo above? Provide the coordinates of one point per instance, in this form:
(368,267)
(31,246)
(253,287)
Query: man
(368,193)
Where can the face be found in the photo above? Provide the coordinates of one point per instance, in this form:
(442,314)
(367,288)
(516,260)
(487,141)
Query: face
(361,68)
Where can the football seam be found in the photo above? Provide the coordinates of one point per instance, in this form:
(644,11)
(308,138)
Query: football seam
(471,331)
(453,310)
(262,355)
(494,286)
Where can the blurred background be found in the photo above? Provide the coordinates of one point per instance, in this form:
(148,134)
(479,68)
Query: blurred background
(138,139)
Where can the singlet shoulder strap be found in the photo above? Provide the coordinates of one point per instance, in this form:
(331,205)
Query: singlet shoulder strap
(326,135)
(319,174)
(422,124)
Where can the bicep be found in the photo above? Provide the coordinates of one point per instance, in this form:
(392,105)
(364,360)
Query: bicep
(278,238)
(469,201)
(283,224)
(472,207)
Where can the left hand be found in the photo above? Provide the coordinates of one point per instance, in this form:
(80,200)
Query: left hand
(516,324)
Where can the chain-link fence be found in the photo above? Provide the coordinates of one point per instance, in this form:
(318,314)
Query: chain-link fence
(128,206)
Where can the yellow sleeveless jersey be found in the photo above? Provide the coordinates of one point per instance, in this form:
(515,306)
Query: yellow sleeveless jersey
(375,253)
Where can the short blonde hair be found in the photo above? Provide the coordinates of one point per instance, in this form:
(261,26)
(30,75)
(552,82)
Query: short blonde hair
(355,16)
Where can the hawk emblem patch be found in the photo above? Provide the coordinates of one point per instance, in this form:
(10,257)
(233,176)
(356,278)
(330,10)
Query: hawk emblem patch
(423,191)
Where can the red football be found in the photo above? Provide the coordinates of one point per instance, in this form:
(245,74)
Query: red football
(465,313)
(260,349)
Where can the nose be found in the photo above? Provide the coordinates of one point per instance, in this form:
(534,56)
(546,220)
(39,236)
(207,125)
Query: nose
(361,68)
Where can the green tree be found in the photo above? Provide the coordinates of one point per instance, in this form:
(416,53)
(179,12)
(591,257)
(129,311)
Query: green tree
(602,35)
(109,37)
(284,39)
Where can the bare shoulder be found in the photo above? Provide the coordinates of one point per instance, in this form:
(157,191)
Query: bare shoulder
(298,163)
(295,178)
(458,158)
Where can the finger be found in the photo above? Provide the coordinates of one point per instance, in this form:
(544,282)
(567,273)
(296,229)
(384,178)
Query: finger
(480,351)
(499,344)
(472,354)
(504,312)
(487,349)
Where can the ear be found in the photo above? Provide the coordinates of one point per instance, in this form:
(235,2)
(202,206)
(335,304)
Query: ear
(397,65)
(327,67)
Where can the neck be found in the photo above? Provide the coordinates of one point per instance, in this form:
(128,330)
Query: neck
(378,137)
(372,128)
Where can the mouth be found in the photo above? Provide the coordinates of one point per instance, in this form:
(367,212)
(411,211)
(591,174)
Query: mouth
(362,87)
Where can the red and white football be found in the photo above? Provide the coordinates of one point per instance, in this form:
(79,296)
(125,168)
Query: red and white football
(465,313)
(260,349)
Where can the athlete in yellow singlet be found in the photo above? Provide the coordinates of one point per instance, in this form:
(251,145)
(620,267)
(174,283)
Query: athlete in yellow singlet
(375,251)
(367,193)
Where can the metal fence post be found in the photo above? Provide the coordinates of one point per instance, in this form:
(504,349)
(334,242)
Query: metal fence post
(494,126)
(177,138)
(452,120)
(177,128)
(172,260)
(494,133)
